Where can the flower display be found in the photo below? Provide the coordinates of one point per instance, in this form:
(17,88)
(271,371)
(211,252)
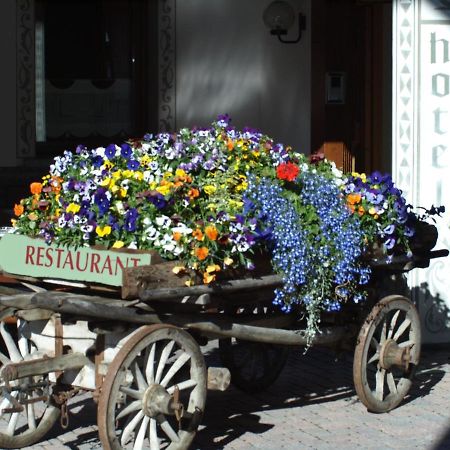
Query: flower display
(211,198)
(382,210)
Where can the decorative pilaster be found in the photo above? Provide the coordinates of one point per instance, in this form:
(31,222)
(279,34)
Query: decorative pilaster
(421,137)
(167,65)
(25,79)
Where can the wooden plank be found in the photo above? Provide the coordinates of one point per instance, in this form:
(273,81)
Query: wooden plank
(268,281)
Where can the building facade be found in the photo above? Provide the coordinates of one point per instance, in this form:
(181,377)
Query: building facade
(371,74)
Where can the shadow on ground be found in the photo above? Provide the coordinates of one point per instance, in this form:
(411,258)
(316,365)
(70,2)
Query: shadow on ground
(313,378)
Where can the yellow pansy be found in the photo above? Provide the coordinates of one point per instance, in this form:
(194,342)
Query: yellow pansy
(213,268)
(228,261)
(116,174)
(164,190)
(105,182)
(138,175)
(103,231)
(178,269)
(118,244)
(209,189)
(127,173)
(180,173)
(107,165)
(73,208)
(145,160)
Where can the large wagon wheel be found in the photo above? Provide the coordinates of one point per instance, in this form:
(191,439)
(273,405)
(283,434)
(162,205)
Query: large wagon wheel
(154,392)
(387,353)
(26,410)
(253,366)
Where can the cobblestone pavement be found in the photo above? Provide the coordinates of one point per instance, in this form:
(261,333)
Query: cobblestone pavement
(312,405)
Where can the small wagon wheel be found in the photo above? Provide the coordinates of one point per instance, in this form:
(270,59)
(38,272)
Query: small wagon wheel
(154,392)
(26,410)
(253,366)
(387,353)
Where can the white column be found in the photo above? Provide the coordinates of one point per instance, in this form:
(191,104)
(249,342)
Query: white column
(421,140)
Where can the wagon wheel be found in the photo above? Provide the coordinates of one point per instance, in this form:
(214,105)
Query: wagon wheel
(26,412)
(154,392)
(387,353)
(254,366)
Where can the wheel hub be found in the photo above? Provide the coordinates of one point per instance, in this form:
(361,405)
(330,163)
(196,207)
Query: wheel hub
(157,400)
(391,354)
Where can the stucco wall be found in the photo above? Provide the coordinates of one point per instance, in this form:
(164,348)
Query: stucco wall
(229,63)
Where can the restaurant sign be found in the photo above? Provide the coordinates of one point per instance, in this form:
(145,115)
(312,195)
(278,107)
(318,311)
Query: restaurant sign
(22,255)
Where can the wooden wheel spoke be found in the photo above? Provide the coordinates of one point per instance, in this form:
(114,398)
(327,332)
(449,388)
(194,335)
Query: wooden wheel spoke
(402,328)
(408,343)
(150,366)
(131,392)
(163,360)
(13,351)
(391,383)
(31,417)
(153,435)
(379,390)
(4,359)
(139,441)
(176,366)
(131,427)
(132,407)
(139,377)
(374,343)
(383,332)
(167,428)
(393,323)
(182,386)
(12,424)
(374,358)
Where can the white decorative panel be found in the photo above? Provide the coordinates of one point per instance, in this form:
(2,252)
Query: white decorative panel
(421,154)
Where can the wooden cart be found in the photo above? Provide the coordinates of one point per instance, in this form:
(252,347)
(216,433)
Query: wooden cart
(141,358)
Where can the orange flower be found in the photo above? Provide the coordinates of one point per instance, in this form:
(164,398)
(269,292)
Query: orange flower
(18,210)
(176,236)
(193,193)
(361,211)
(198,234)
(211,232)
(55,183)
(230,144)
(353,199)
(36,188)
(201,253)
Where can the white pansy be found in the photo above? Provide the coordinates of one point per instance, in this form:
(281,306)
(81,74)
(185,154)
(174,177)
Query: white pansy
(133,246)
(147,221)
(120,207)
(163,221)
(182,228)
(100,151)
(152,234)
